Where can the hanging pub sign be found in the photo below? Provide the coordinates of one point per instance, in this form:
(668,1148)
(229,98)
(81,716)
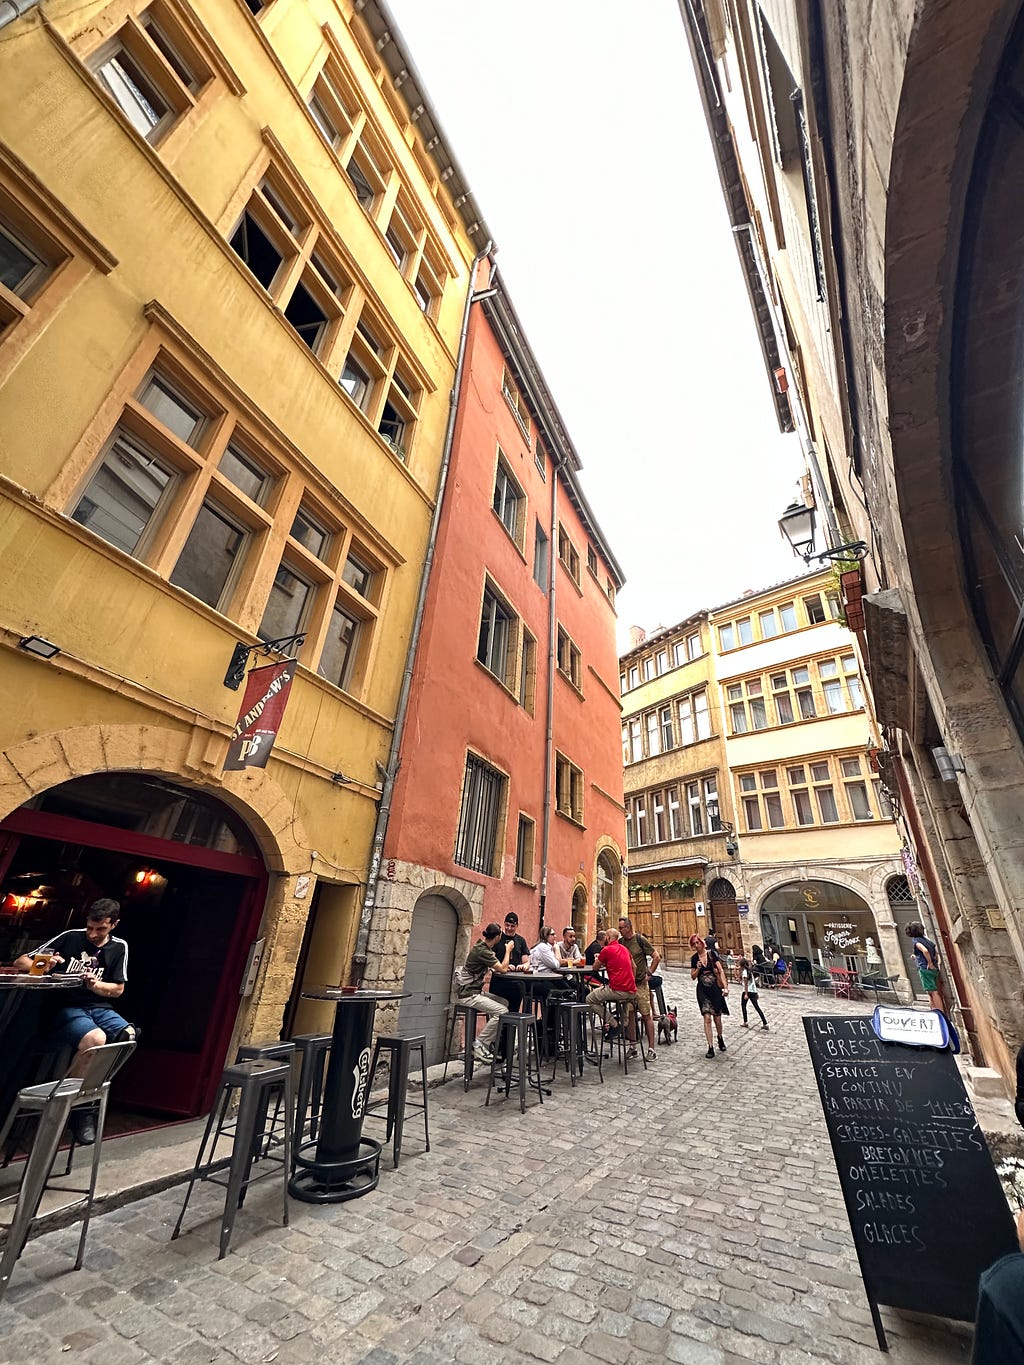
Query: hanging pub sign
(259,716)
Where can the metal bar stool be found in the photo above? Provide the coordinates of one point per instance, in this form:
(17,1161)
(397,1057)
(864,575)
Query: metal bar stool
(657,986)
(267,1134)
(399,1052)
(53,1103)
(619,1040)
(520,1030)
(574,1020)
(256,1081)
(314,1049)
(469,1014)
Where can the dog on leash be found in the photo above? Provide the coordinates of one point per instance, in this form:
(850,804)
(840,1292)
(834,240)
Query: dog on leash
(668,1028)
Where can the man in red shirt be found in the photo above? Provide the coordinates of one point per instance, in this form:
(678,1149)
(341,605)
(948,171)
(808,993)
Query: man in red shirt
(617,961)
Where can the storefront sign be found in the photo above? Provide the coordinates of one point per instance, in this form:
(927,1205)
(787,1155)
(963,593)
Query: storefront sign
(841,936)
(260,716)
(915,1028)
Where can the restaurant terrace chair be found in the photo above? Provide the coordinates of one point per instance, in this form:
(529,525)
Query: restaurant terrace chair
(517,1057)
(878,985)
(842,983)
(822,981)
(53,1103)
(469,1015)
(314,1049)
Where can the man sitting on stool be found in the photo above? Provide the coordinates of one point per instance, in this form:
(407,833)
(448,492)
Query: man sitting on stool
(83,1020)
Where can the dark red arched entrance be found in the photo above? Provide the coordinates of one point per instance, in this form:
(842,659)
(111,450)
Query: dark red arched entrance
(191,884)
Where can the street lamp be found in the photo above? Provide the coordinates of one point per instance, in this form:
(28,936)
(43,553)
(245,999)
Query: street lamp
(797,525)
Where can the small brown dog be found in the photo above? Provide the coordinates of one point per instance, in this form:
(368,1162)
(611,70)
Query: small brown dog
(668,1028)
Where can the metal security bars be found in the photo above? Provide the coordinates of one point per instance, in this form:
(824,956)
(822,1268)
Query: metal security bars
(477,837)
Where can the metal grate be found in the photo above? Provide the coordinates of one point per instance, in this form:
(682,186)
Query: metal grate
(898,892)
(721,890)
(478,820)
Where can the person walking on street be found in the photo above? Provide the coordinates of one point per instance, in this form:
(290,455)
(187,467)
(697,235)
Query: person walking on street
(712,988)
(748,980)
(926,957)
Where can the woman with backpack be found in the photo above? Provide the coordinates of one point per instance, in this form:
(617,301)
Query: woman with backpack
(748,979)
(712,988)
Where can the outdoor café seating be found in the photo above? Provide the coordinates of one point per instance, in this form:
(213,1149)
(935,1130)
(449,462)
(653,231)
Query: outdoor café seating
(880,985)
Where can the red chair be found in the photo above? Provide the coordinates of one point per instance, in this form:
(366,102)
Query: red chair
(842,983)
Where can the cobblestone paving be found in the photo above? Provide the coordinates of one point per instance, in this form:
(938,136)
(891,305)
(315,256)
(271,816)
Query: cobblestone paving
(690,1213)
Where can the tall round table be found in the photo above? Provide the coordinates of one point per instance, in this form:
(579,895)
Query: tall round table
(21,998)
(341,1164)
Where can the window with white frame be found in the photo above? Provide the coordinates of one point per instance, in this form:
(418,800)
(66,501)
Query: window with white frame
(568,555)
(151,70)
(477,843)
(568,789)
(726,637)
(694,808)
(516,401)
(856,788)
(827,790)
(768,624)
(509,501)
(526,837)
(799,795)
(747,706)
(665,726)
(636,740)
(661,662)
(694,717)
(569,660)
(652,723)
(496,646)
(647,667)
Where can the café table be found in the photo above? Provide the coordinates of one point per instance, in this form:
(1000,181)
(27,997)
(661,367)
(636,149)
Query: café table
(21,1003)
(340,1163)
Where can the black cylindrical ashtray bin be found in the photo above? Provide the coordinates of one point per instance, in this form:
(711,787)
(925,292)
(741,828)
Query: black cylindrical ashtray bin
(341,1164)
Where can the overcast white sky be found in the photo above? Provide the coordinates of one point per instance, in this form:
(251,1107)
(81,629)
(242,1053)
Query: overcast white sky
(579,128)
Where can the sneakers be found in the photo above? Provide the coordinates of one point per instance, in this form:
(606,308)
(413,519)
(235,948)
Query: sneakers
(632,1053)
(721,1044)
(482,1053)
(652,1056)
(764,1028)
(744,1025)
(710,1053)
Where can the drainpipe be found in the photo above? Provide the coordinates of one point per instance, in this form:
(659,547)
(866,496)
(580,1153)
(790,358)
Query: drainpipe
(14,9)
(549,735)
(358,967)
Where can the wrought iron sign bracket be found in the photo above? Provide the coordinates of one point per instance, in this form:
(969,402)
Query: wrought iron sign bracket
(235,675)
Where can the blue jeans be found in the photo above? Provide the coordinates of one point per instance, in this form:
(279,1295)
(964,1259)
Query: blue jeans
(73,1022)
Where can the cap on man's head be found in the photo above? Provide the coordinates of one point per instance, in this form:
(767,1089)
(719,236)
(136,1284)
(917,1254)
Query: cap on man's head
(492,930)
(511,917)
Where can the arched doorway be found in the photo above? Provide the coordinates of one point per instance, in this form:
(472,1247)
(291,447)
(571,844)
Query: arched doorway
(826,923)
(579,913)
(725,918)
(191,883)
(428,972)
(608,873)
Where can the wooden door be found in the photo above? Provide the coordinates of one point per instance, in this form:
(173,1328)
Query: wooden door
(727,927)
(678,923)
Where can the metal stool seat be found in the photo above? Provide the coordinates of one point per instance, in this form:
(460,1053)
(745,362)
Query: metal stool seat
(53,1104)
(257,1081)
(658,992)
(619,1041)
(268,1129)
(469,1014)
(573,1021)
(518,1031)
(314,1049)
(399,1052)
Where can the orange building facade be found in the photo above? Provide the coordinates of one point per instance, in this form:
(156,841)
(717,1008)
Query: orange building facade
(509,791)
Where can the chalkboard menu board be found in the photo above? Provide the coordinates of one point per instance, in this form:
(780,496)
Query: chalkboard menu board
(925,1205)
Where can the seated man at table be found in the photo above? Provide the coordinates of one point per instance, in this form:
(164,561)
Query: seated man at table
(568,949)
(512,950)
(83,1020)
(481,960)
(617,961)
(592,949)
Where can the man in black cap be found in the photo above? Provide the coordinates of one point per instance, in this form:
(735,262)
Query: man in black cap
(512,950)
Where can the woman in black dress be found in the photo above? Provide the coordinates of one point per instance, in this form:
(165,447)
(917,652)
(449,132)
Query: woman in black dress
(712,988)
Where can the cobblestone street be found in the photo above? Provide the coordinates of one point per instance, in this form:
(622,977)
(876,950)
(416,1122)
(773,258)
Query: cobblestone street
(689,1213)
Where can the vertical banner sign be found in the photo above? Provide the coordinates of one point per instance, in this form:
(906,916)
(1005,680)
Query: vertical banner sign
(259,716)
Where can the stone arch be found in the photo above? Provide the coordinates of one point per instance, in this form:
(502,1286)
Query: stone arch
(187,758)
(608,855)
(783,876)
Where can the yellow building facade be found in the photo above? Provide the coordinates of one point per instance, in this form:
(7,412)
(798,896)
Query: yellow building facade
(752,803)
(234,280)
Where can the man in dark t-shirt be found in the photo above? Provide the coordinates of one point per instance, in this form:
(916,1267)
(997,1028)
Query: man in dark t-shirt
(513,950)
(84,1018)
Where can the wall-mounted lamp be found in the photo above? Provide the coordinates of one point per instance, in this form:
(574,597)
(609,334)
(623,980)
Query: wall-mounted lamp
(948,764)
(35,644)
(797,525)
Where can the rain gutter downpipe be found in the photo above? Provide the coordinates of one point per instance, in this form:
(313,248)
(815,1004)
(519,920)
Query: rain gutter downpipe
(549,733)
(14,9)
(390,773)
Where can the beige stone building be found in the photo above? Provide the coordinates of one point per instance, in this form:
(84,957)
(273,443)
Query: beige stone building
(752,803)
(869,157)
